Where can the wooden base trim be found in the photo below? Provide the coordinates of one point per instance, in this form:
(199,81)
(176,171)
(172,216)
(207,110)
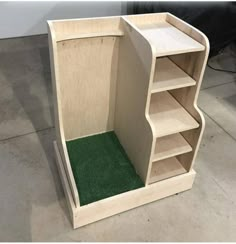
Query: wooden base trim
(105,208)
(64,181)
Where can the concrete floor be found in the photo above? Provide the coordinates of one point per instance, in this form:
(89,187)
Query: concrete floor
(32,203)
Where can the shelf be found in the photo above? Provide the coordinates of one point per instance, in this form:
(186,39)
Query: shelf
(170,146)
(168,116)
(165,169)
(169,76)
(168,40)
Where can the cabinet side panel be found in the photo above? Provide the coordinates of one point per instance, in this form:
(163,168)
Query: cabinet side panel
(131,125)
(59,128)
(88,70)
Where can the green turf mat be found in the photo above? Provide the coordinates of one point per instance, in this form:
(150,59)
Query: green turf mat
(101,167)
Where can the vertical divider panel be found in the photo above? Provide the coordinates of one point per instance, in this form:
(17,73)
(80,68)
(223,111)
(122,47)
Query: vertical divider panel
(135,73)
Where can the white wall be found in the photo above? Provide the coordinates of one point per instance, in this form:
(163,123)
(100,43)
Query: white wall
(29,18)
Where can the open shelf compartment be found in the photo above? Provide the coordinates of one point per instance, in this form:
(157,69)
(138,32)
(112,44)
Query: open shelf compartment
(101,167)
(166,168)
(169,76)
(168,116)
(169,146)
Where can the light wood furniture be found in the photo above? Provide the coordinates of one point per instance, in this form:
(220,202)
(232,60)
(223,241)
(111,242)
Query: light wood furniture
(138,76)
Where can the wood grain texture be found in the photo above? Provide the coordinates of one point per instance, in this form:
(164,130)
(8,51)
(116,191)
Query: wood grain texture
(165,169)
(59,128)
(133,82)
(169,146)
(168,40)
(85,26)
(65,181)
(140,20)
(169,116)
(193,64)
(88,85)
(189,30)
(169,76)
(193,137)
(91,35)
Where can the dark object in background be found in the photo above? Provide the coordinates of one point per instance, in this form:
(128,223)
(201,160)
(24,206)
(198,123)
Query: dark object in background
(217,20)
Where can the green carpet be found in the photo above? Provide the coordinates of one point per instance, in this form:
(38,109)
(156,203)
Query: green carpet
(101,167)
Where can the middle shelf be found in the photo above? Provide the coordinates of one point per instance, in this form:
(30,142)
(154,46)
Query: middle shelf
(169,146)
(168,116)
(169,76)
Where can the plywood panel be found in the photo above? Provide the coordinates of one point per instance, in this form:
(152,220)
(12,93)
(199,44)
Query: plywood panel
(168,40)
(90,35)
(131,125)
(168,116)
(87,71)
(169,76)
(169,146)
(165,169)
(143,19)
(85,26)
(59,129)
(193,64)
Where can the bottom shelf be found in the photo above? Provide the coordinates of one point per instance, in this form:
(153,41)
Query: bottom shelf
(101,167)
(166,168)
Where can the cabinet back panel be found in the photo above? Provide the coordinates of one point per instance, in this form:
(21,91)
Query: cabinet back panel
(87,76)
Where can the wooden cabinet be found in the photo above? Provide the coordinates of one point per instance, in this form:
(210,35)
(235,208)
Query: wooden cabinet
(127,123)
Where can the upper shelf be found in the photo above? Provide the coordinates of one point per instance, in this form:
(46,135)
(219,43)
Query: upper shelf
(168,116)
(169,76)
(168,40)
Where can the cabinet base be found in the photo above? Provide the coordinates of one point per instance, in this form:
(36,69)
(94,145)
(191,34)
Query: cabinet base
(110,206)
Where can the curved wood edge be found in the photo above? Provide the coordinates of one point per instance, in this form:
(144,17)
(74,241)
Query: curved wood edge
(194,136)
(201,38)
(152,61)
(135,134)
(86,27)
(58,115)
